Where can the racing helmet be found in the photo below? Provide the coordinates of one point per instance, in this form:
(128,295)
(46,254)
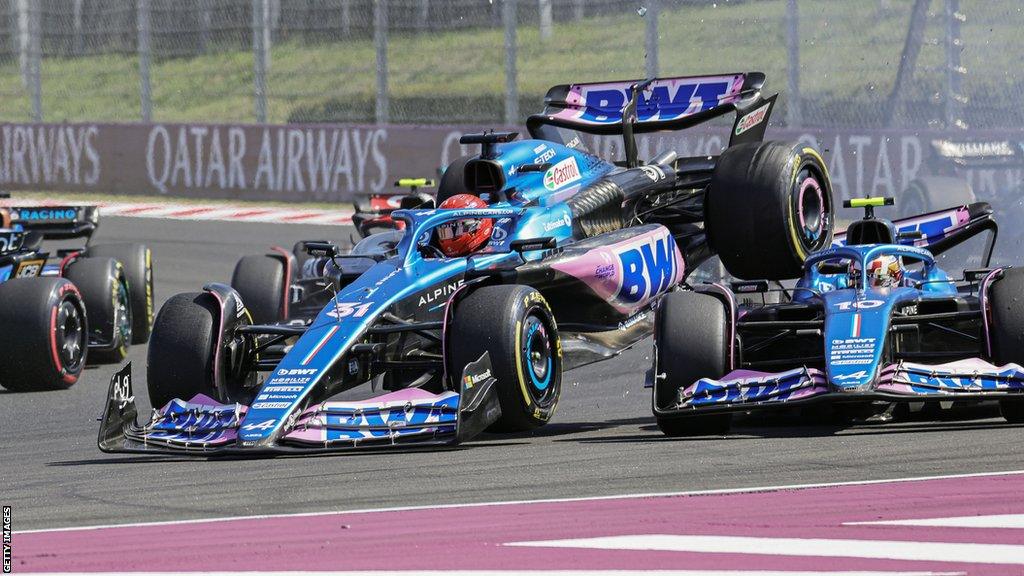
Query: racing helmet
(885,271)
(461,237)
(5,217)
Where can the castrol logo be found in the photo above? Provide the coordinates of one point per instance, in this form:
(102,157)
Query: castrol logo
(564,173)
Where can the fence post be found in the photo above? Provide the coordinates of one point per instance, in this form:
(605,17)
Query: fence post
(144,86)
(544,8)
(954,70)
(346,18)
(36,61)
(78,44)
(894,116)
(794,108)
(651,39)
(22,18)
(508,18)
(380,45)
(259,57)
(424,15)
(205,20)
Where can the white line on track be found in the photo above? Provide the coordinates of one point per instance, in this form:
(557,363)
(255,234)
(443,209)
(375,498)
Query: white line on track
(814,547)
(990,521)
(532,573)
(539,501)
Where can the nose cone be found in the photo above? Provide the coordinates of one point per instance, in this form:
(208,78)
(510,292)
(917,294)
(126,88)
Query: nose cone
(856,324)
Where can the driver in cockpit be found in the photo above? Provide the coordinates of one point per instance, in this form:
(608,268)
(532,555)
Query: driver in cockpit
(458,238)
(885,271)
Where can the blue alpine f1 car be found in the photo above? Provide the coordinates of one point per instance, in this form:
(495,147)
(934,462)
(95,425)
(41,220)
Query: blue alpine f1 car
(90,303)
(576,250)
(873,322)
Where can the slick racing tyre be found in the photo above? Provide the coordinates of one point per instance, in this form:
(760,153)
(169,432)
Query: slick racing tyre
(43,340)
(104,287)
(137,261)
(1006,331)
(453,181)
(931,193)
(261,281)
(692,336)
(515,327)
(768,206)
(181,349)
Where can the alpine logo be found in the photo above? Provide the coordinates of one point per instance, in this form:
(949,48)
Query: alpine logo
(647,270)
(561,174)
(439,292)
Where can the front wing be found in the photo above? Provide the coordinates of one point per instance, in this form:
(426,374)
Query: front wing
(904,381)
(204,426)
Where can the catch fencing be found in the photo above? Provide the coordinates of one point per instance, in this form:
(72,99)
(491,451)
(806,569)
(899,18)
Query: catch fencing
(935,64)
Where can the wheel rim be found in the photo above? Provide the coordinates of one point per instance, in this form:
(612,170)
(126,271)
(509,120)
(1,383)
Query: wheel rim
(123,314)
(538,360)
(70,336)
(813,210)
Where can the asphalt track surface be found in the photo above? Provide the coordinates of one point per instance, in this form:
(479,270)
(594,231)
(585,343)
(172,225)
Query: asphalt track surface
(602,440)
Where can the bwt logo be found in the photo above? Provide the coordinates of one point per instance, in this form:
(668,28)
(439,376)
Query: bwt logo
(605,106)
(647,270)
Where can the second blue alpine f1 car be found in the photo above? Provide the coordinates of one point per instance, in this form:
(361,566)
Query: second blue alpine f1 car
(538,257)
(873,322)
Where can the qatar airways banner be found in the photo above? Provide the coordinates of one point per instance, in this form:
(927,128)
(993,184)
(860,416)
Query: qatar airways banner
(334,163)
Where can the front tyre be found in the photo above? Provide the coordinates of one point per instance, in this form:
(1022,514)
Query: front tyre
(43,342)
(137,261)
(692,338)
(104,287)
(515,327)
(262,282)
(1006,331)
(768,206)
(181,349)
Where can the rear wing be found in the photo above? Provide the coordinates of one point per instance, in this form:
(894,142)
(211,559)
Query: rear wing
(942,230)
(657,104)
(56,222)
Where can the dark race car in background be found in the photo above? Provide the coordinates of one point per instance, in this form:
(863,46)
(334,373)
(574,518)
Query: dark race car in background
(56,313)
(962,170)
(581,250)
(836,339)
(373,213)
